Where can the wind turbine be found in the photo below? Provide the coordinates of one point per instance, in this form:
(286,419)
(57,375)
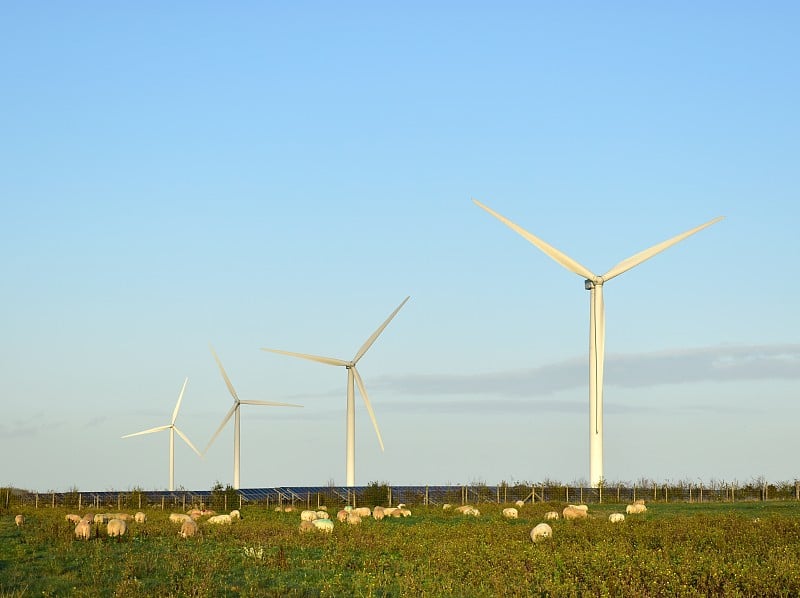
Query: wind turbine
(172,430)
(352,375)
(234,411)
(594,284)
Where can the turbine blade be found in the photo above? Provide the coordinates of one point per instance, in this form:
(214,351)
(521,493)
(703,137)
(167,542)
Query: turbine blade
(377,333)
(178,404)
(563,259)
(150,431)
(328,360)
(269,403)
(362,389)
(189,442)
(637,259)
(222,425)
(224,375)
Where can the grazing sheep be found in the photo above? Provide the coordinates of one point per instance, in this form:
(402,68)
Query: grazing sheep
(363,511)
(635,509)
(378,513)
(616,518)
(463,508)
(19,520)
(580,507)
(179,517)
(389,511)
(83,530)
(342,515)
(308,516)
(220,520)
(510,513)
(195,513)
(140,517)
(405,512)
(189,528)
(353,518)
(116,528)
(123,516)
(541,532)
(323,525)
(520,503)
(570,513)
(72,518)
(101,518)
(551,515)
(446,506)
(236,515)
(323,515)
(307,526)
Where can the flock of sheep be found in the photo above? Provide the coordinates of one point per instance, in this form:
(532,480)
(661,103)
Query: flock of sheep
(319,519)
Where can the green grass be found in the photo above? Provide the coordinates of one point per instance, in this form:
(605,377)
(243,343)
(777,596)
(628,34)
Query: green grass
(673,550)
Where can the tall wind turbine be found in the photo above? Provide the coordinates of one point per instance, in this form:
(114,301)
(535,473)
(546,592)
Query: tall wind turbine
(172,430)
(234,411)
(597,327)
(352,375)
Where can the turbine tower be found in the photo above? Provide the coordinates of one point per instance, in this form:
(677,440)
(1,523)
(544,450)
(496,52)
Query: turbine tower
(597,327)
(352,376)
(172,430)
(234,411)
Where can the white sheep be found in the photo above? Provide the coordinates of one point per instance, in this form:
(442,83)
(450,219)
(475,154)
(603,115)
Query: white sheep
(88,518)
(635,509)
(616,518)
(378,513)
(580,507)
(390,512)
(83,530)
(308,516)
(551,515)
(519,504)
(342,515)
(179,517)
(19,520)
(363,511)
(446,506)
(323,515)
(72,518)
(116,528)
(323,525)
(463,508)
(140,517)
(189,528)
(236,515)
(541,532)
(571,512)
(220,520)
(510,513)
(101,518)
(307,526)
(353,518)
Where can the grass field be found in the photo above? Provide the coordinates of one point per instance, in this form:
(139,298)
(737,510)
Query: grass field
(674,549)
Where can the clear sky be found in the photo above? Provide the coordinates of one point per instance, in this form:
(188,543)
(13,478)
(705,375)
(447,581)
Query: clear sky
(265,174)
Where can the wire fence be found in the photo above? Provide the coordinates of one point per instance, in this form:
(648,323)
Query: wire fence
(383,494)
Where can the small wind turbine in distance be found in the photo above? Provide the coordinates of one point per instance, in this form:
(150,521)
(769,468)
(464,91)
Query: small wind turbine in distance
(352,375)
(234,411)
(594,284)
(172,430)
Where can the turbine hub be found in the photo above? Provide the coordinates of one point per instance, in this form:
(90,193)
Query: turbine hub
(589,284)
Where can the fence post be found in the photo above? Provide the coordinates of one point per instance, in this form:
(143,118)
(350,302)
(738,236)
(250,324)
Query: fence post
(566,488)
(634,493)
(581,495)
(80,500)
(427,500)
(54,500)
(617,492)
(497,488)
(797,490)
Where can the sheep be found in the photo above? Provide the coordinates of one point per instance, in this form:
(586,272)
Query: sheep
(571,512)
(220,520)
(510,513)
(323,525)
(307,526)
(308,516)
(389,511)
(179,517)
(195,513)
(123,516)
(342,515)
(116,528)
(189,528)
(19,520)
(72,518)
(446,506)
(541,532)
(101,518)
(83,530)
(616,518)
(323,515)
(378,513)
(463,508)
(405,512)
(519,504)
(236,515)
(551,515)
(635,509)
(322,508)
(363,511)
(353,518)
(580,507)
(140,517)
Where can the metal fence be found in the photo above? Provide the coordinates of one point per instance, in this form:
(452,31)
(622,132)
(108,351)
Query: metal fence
(375,494)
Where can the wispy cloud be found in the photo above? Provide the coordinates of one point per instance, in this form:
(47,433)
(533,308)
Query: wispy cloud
(723,363)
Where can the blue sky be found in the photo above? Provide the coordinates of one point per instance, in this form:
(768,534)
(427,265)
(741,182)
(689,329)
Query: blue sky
(282,175)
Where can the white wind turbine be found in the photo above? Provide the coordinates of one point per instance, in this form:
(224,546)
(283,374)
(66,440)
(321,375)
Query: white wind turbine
(352,375)
(234,411)
(594,284)
(172,430)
